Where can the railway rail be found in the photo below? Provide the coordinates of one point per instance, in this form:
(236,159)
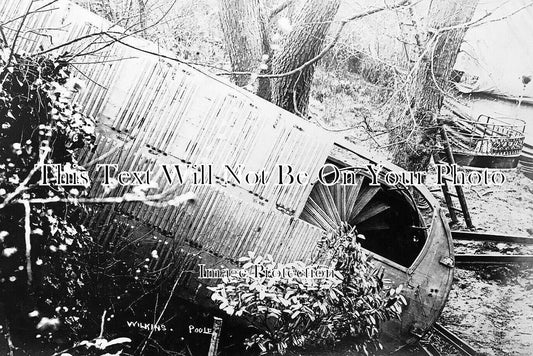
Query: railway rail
(491,259)
(452,339)
(442,332)
(491,236)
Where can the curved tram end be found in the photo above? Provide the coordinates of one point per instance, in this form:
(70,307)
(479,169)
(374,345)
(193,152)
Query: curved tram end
(405,232)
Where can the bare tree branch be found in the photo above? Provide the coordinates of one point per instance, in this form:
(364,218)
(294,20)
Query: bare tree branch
(27,239)
(479,22)
(13,45)
(128,197)
(279,9)
(162,311)
(39,9)
(102,33)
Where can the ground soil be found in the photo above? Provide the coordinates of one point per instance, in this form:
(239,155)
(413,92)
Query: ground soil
(492,307)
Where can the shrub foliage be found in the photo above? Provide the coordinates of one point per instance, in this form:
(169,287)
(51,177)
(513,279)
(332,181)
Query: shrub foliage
(292,310)
(39,125)
(60,299)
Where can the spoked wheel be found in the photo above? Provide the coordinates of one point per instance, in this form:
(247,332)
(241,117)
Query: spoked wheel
(382,214)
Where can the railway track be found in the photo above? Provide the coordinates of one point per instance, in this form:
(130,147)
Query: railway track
(450,338)
(491,236)
(458,344)
(491,259)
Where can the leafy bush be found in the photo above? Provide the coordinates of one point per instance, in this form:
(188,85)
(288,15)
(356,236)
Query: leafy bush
(61,297)
(39,125)
(298,309)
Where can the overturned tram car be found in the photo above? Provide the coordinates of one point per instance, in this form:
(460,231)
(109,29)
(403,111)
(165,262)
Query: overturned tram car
(154,112)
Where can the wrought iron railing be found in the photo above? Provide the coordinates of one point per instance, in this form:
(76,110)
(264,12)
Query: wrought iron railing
(502,136)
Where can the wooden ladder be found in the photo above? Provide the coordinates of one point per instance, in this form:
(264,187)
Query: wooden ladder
(459,193)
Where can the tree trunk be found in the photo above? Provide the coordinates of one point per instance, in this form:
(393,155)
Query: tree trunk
(244,27)
(414,135)
(305,41)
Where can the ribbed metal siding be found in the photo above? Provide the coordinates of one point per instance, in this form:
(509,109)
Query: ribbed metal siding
(152,110)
